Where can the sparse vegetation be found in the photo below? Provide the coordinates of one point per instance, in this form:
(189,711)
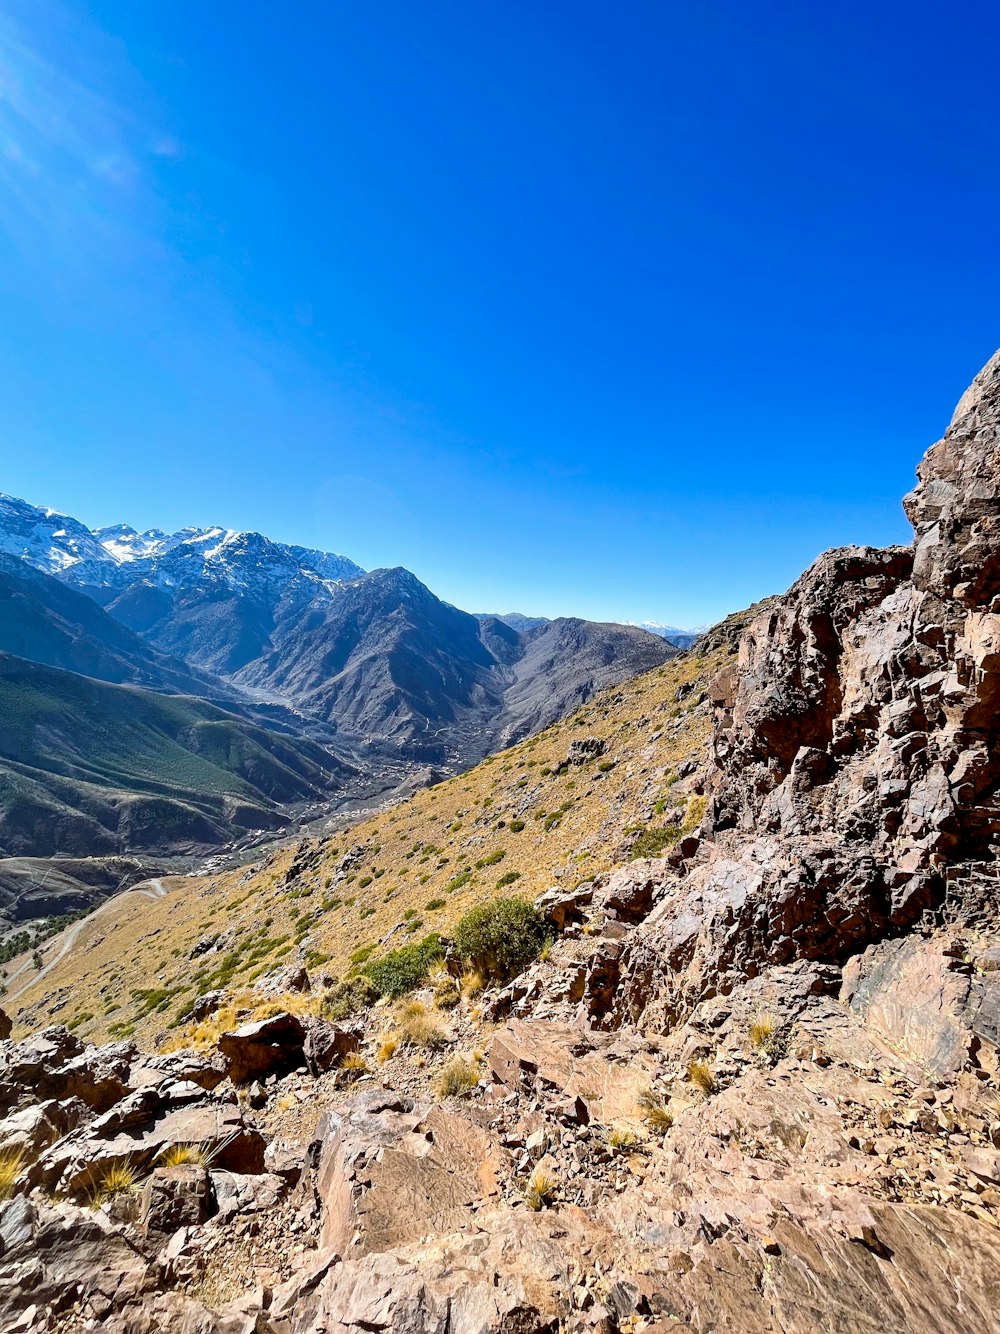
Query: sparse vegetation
(253,906)
(119,1178)
(12,1164)
(346,998)
(416,1026)
(404,969)
(619,1138)
(765,1036)
(654,1111)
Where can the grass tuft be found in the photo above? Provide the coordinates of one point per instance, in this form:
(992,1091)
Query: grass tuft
(654,1111)
(540,1191)
(12,1162)
(458,1078)
(701,1076)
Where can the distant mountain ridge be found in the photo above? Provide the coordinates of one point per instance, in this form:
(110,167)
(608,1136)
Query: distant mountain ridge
(671,633)
(117,556)
(302,650)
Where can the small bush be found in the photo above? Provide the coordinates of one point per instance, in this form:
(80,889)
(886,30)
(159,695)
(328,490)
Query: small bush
(355,1063)
(516,826)
(433,905)
(701,1076)
(651,842)
(500,938)
(446,993)
(457,881)
(458,1078)
(540,1190)
(404,969)
(508,878)
(492,859)
(387,1049)
(364,882)
(346,998)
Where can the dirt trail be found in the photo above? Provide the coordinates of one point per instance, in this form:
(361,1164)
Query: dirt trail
(149,889)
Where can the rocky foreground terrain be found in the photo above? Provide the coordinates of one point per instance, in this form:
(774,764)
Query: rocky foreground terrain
(749,1085)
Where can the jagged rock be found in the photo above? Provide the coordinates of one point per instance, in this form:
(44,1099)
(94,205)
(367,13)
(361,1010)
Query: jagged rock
(263,1047)
(561,906)
(137,1131)
(279,981)
(174,1197)
(55,1064)
(247,1192)
(326,1044)
(629,892)
(924,1001)
(606,1072)
(55,1253)
(585,750)
(204,1006)
(6,1025)
(33,1128)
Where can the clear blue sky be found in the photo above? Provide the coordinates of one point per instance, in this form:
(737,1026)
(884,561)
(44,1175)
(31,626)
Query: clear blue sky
(625,311)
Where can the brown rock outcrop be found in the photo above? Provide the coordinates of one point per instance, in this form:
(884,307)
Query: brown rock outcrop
(854,770)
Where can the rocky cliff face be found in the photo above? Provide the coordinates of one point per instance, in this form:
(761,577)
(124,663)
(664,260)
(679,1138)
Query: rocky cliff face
(852,781)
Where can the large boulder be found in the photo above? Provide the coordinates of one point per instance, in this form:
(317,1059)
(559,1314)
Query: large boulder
(389,1172)
(272,1046)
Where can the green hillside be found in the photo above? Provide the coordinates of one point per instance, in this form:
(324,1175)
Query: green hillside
(87,767)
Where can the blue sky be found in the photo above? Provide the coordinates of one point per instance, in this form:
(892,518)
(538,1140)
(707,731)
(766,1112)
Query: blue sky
(625,311)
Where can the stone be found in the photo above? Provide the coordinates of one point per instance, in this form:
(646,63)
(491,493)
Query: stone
(326,1044)
(263,1047)
(174,1197)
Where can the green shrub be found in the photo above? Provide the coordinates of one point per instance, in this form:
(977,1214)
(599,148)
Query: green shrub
(508,878)
(432,905)
(364,882)
(492,859)
(651,842)
(500,938)
(457,881)
(516,826)
(401,970)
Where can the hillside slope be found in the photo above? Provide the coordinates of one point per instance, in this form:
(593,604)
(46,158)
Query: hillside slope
(88,768)
(45,621)
(519,819)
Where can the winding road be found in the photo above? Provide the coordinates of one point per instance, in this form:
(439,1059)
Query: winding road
(150,889)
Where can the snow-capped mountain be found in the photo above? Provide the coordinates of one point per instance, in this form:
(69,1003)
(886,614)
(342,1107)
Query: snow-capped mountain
(119,557)
(50,541)
(671,633)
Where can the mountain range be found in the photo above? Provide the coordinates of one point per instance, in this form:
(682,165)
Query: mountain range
(306,681)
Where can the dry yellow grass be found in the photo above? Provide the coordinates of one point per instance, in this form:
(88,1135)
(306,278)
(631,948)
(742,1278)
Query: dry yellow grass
(457,1078)
(540,1190)
(509,825)
(701,1076)
(12,1164)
